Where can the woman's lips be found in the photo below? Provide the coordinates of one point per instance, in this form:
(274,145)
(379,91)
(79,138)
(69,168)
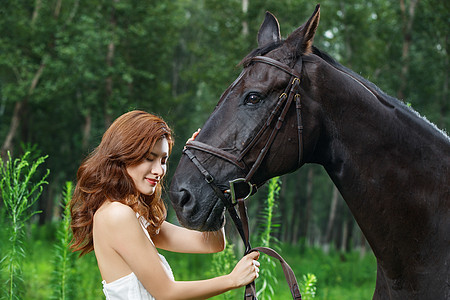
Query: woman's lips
(152,181)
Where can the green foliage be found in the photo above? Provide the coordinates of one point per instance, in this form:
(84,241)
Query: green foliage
(268,225)
(267,280)
(308,286)
(223,263)
(64,260)
(266,238)
(19,194)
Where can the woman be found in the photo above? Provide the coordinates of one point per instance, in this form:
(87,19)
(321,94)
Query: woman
(117,211)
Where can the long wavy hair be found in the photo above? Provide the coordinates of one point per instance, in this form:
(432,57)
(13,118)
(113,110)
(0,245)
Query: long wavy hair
(103,176)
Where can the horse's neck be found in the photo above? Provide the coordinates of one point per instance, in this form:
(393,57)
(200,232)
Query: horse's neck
(387,163)
(372,139)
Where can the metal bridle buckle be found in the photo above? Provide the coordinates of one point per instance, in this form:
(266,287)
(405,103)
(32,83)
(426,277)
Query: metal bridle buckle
(233,193)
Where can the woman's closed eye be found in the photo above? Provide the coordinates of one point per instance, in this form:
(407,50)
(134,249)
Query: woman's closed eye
(163,159)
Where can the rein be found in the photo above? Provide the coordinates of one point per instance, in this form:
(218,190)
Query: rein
(281,109)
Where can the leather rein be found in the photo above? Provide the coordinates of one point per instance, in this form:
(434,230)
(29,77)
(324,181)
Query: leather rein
(291,94)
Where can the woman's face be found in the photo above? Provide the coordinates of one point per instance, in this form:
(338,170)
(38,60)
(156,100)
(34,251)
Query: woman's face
(147,174)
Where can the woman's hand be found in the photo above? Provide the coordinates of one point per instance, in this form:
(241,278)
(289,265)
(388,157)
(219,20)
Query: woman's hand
(246,270)
(194,135)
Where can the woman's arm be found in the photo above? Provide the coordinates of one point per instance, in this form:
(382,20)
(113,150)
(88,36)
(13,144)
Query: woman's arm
(127,238)
(245,272)
(178,239)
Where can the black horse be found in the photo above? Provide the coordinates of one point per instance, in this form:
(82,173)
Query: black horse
(293,104)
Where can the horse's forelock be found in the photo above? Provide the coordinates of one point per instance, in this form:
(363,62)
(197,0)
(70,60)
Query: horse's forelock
(259,51)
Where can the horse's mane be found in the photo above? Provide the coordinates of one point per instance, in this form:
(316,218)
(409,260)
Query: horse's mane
(384,98)
(368,84)
(259,51)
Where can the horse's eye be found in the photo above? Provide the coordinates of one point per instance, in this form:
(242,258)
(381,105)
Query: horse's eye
(252,99)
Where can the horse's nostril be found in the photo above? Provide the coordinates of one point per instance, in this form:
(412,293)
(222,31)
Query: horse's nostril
(184,198)
(179,198)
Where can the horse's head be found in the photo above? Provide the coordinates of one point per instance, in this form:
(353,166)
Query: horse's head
(256,131)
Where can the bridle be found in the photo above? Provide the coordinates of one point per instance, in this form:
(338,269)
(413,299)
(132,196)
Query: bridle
(290,95)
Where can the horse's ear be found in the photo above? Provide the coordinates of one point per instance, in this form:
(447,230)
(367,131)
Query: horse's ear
(302,37)
(269,32)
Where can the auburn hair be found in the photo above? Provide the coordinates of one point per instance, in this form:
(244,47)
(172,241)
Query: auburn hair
(103,176)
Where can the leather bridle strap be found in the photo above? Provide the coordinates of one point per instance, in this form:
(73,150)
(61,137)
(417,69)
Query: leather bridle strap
(241,223)
(225,200)
(216,152)
(293,87)
(250,290)
(276,63)
(284,102)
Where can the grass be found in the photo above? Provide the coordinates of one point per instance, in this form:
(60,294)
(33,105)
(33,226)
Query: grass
(339,276)
(38,270)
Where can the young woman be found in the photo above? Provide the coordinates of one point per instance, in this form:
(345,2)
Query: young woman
(117,211)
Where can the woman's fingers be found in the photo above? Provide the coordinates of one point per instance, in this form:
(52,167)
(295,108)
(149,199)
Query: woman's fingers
(194,135)
(247,269)
(256,265)
(253,255)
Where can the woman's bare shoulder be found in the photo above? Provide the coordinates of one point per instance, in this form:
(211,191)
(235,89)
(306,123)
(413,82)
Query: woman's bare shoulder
(114,214)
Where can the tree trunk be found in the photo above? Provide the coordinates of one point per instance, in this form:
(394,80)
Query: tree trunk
(297,214)
(331,218)
(363,244)
(445,102)
(348,225)
(8,143)
(35,15)
(344,235)
(407,20)
(283,207)
(17,117)
(244,22)
(109,80)
(57,9)
(308,207)
(15,121)
(86,131)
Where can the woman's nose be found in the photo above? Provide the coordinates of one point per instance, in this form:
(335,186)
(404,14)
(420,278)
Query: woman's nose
(158,169)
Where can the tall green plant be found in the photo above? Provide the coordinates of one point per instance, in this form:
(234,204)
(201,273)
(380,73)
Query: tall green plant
(19,193)
(308,286)
(64,257)
(266,239)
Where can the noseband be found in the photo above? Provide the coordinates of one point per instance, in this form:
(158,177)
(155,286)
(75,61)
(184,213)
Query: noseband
(285,100)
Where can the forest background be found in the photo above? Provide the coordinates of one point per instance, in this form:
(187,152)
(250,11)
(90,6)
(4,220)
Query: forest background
(69,68)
